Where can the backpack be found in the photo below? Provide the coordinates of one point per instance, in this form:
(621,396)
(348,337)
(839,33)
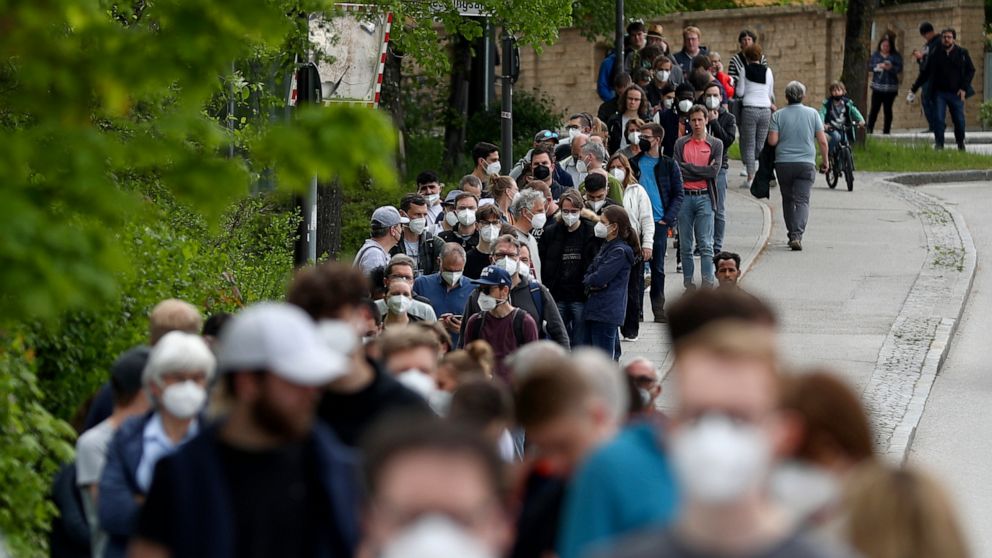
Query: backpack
(518,327)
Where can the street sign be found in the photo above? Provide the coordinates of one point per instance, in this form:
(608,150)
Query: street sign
(464,7)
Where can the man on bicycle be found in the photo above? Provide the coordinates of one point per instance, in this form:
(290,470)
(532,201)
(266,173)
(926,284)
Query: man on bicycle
(838,111)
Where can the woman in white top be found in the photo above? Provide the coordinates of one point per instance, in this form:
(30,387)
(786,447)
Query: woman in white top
(638,206)
(756,89)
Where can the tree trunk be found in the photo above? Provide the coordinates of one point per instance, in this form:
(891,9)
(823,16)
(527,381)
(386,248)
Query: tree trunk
(860,14)
(457,113)
(329,219)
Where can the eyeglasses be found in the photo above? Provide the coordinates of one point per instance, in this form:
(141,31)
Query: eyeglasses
(406,278)
(506,255)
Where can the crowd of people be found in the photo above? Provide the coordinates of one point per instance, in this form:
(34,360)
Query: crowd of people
(457,390)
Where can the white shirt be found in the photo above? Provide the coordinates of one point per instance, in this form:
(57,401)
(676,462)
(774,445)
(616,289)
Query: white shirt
(535,258)
(156,445)
(754,94)
(433,212)
(91,452)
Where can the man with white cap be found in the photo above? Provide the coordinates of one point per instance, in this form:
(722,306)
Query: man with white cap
(386,232)
(269,479)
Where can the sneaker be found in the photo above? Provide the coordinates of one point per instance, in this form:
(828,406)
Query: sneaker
(744,173)
(678,268)
(746,183)
(629,339)
(773,183)
(796,245)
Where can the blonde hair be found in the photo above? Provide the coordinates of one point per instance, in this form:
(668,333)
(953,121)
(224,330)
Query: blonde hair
(629,177)
(901,513)
(692,29)
(173,314)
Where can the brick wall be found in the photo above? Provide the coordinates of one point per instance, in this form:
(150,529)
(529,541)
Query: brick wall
(801,42)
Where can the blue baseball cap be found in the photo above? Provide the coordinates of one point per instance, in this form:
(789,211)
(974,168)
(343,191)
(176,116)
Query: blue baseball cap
(546,135)
(493,276)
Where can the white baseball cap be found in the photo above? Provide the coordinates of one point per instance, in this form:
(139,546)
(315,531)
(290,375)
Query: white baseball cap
(282,339)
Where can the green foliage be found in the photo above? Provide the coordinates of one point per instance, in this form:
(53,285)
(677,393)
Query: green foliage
(894,156)
(596,19)
(246,259)
(97,101)
(361,200)
(985,113)
(532,112)
(32,446)
(534,22)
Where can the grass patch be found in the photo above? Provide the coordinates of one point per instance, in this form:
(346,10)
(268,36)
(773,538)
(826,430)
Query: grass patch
(735,151)
(891,156)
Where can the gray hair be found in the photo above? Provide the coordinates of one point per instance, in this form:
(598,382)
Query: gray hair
(596,150)
(450,248)
(523,360)
(605,379)
(178,351)
(525,200)
(641,360)
(795,92)
(470,179)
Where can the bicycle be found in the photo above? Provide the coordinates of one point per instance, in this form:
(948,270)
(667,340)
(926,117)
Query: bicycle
(842,162)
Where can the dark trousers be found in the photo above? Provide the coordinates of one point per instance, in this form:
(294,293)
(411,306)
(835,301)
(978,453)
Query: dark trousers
(927,102)
(635,299)
(883,100)
(658,264)
(603,336)
(944,100)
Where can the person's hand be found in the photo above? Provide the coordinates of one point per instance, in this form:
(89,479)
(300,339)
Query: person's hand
(961,94)
(828,128)
(448,321)
(917,54)
(910,97)
(861,124)
(825,166)
(886,65)
(714,114)
(646,252)
(774,108)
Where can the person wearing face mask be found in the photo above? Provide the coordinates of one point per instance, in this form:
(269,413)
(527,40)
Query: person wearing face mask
(643,374)
(544,141)
(400,268)
(429,186)
(504,191)
(449,219)
(435,488)
(637,202)
(543,169)
(593,158)
(526,294)
(411,355)
(490,224)
(399,297)
(529,215)
(834,438)
(386,233)
(633,104)
(662,180)
(606,280)
(727,433)
(448,290)
(664,73)
(466,232)
(269,478)
(175,380)
(633,132)
(417,241)
(567,247)
(721,125)
(487,165)
(334,296)
(498,322)
(570,163)
(596,193)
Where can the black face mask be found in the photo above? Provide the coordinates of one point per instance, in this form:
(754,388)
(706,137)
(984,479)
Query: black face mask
(542,172)
(837,97)
(644,144)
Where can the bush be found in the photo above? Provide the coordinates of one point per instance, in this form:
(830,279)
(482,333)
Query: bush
(33,444)
(985,113)
(532,112)
(172,254)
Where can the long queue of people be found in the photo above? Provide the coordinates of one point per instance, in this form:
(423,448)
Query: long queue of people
(301,428)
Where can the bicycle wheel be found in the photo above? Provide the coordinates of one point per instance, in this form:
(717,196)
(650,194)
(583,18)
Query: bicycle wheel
(832,175)
(849,169)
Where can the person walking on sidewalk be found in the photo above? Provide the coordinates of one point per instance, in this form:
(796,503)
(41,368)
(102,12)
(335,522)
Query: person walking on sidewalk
(795,132)
(949,72)
(662,180)
(700,156)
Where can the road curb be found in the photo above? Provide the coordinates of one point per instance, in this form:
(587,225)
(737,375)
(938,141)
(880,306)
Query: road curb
(935,304)
(917,179)
(748,260)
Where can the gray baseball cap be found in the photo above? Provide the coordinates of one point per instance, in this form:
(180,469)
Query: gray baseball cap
(388,216)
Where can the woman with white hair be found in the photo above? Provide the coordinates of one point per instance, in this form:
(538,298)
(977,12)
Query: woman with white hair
(795,131)
(175,379)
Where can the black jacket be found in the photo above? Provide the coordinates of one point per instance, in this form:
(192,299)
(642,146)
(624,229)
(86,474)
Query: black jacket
(724,128)
(947,71)
(668,176)
(429,248)
(552,242)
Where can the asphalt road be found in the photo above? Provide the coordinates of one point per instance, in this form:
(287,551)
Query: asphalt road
(954,438)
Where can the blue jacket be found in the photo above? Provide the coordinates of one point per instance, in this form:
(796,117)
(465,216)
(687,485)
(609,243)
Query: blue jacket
(205,525)
(117,509)
(669,178)
(606,281)
(623,486)
(885,80)
(604,83)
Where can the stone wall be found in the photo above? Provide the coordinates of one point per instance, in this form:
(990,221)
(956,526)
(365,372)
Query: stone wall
(801,42)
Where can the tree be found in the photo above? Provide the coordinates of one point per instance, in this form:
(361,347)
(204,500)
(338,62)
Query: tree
(106,110)
(595,19)
(857,50)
